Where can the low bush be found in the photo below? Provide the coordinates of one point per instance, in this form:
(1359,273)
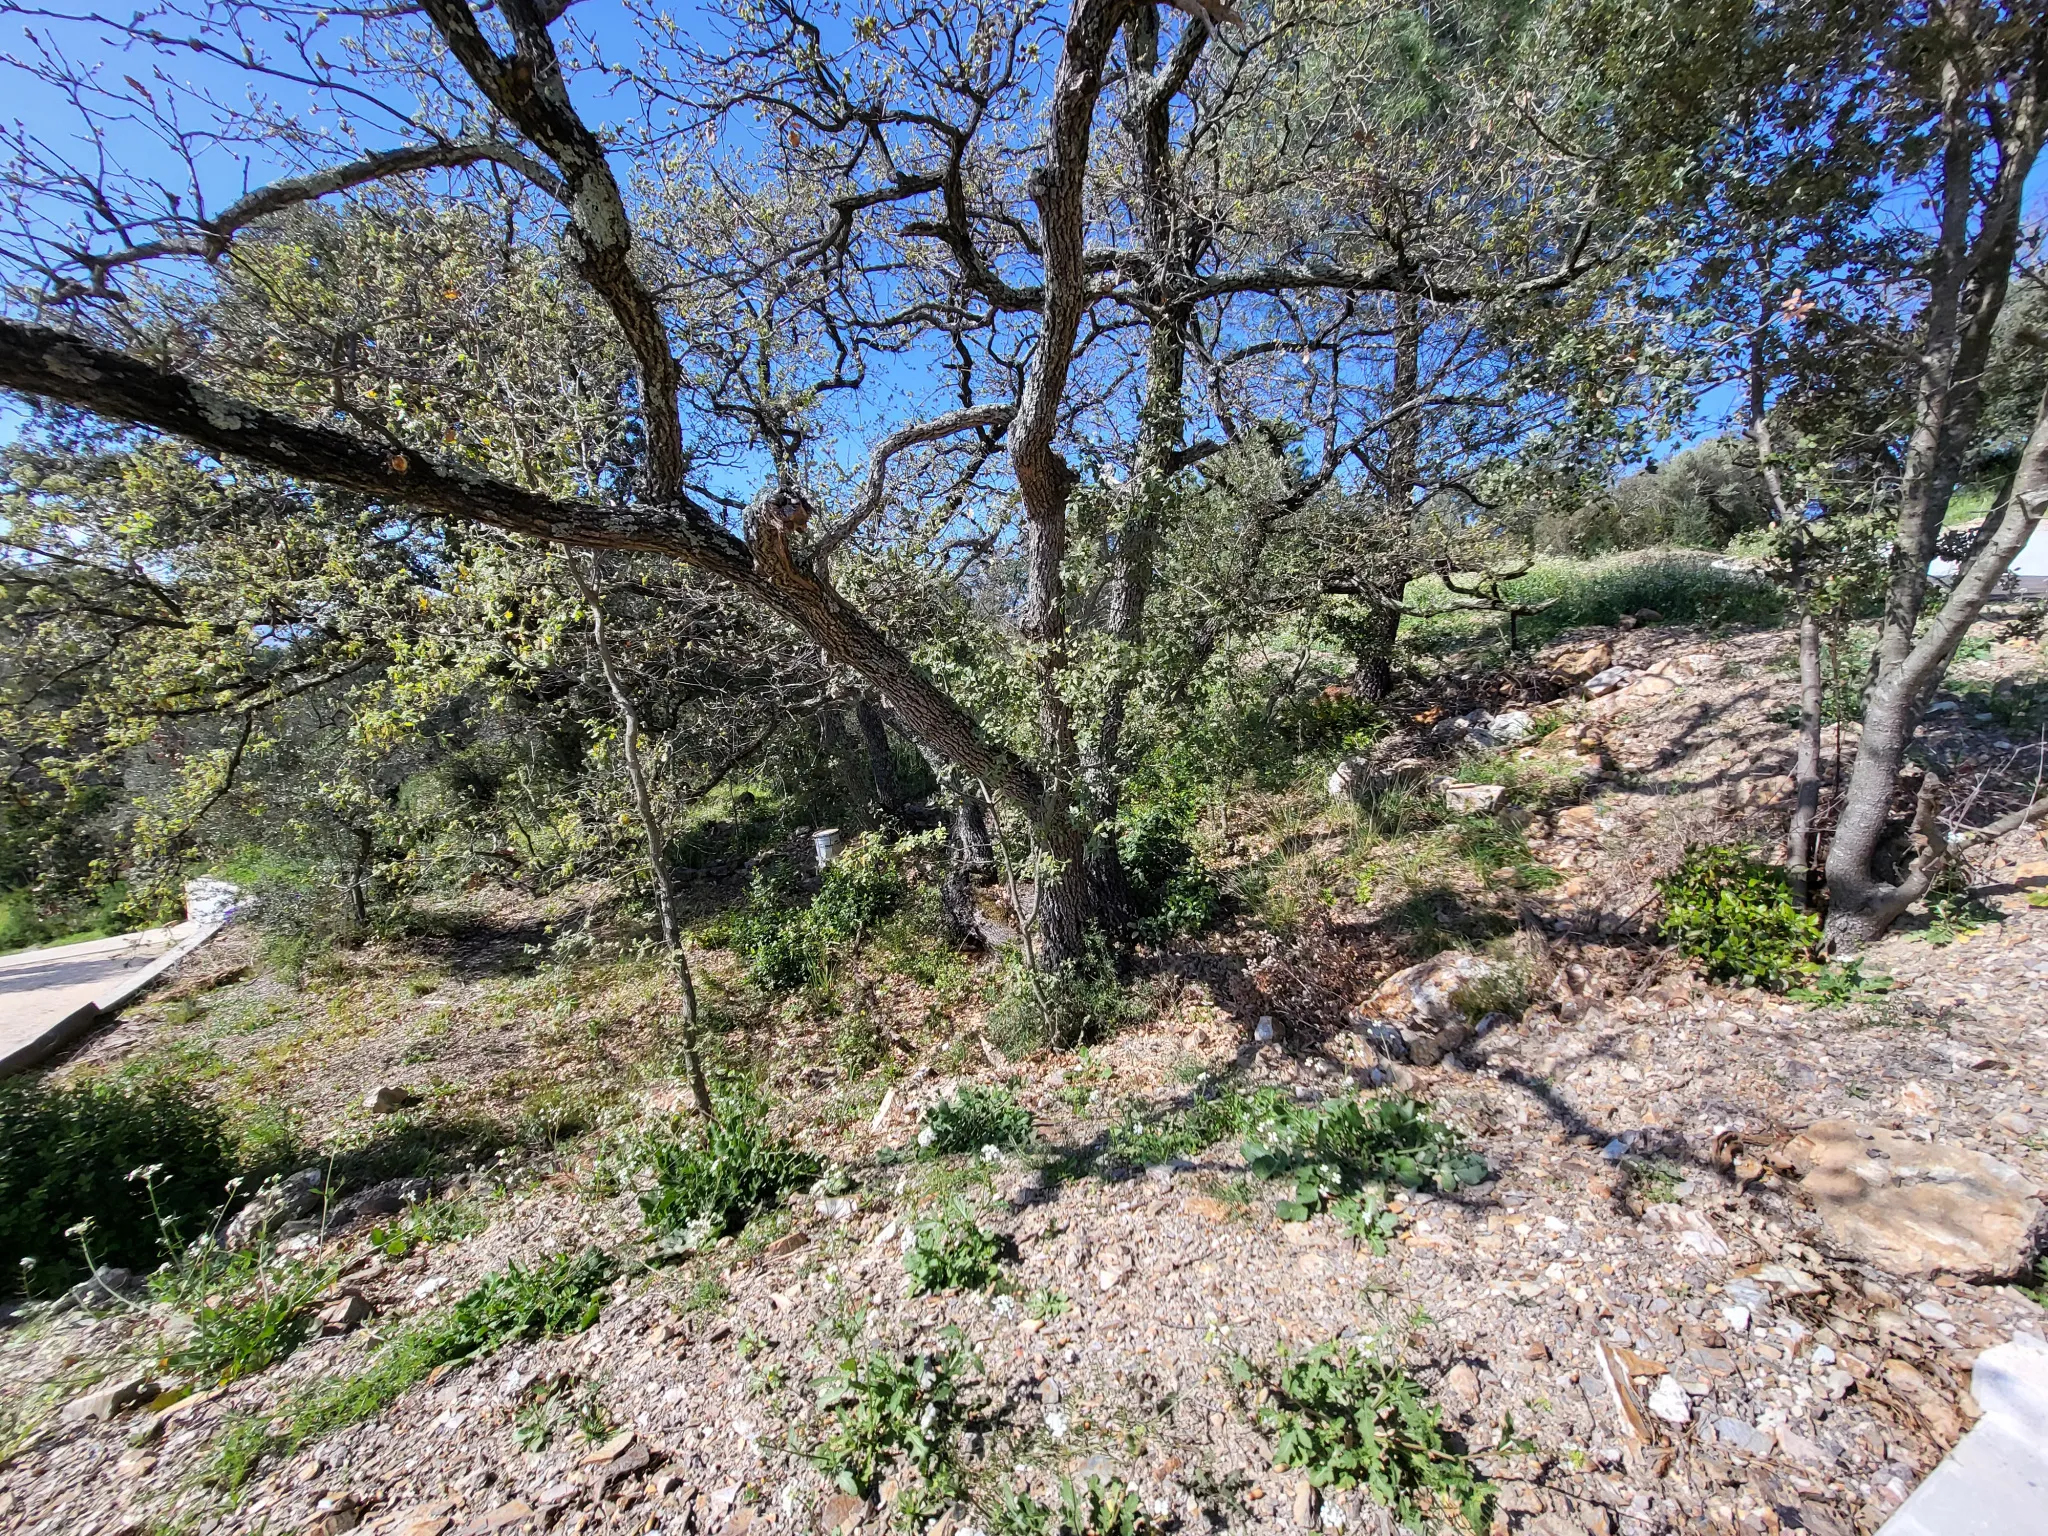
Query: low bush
(558,1296)
(788,944)
(712,1177)
(71,1153)
(881,1414)
(1353,1419)
(1172,895)
(1335,1153)
(1735,915)
(1073,1004)
(950,1251)
(972,1118)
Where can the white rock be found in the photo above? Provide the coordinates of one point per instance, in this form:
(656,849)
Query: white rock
(1472,799)
(1607,681)
(1512,725)
(1263,1033)
(1668,1402)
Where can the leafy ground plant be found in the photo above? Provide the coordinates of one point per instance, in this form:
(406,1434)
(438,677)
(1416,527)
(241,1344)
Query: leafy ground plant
(1839,984)
(1336,1153)
(1735,915)
(949,1251)
(1145,1138)
(1092,1508)
(1354,1419)
(425,1222)
(712,1177)
(558,1296)
(255,1315)
(880,1412)
(973,1118)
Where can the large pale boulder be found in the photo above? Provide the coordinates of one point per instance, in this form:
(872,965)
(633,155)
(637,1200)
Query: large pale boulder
(1435,993)
(1917,1208)
(1583,661)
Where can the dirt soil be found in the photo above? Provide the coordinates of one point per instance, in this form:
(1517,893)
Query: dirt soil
(1631,1123)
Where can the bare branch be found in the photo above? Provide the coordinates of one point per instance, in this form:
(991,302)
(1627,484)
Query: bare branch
(876,485)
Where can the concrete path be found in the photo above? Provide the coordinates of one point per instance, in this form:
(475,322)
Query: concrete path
(50,996)
(1995,1482)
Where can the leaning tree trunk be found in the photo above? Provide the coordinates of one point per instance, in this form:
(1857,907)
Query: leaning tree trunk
(1861,902)
(1806,769)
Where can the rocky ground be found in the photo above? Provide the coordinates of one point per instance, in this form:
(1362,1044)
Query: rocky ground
(1664,1311)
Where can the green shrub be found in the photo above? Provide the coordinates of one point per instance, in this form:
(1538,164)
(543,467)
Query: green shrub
(1335,1152)
(1351,1419)
(1171,893)
(788,945)
(73,1153)
(950,1250)
(973,1118)
(1074,1004)
(712,1177)
(879,1412)
(1735,916)
(558,1296)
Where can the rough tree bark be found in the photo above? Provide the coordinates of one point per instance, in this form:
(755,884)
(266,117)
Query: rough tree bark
(1861,903)
(1064,902)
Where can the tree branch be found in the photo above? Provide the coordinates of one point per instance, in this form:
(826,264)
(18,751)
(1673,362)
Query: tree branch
(878,464)
(212,236)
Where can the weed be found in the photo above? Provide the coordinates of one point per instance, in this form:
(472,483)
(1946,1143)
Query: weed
(859,1043)
(1652,1180)
(950,1250)
(533,1427)
(1094,1508)
(1365,1217)
(973,1118)
(425,1222)
(2037,899)
(1839,984)
(593,1422)
(1352,1418)
(1147,1138)
(561,1295)
(711,1178)
(1045,1305)
(1735,916)
(1334,1152)
(245,1327)
(2038,1291)
(879,1411)
(707,1295)
(558,1296)
(1954,912)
